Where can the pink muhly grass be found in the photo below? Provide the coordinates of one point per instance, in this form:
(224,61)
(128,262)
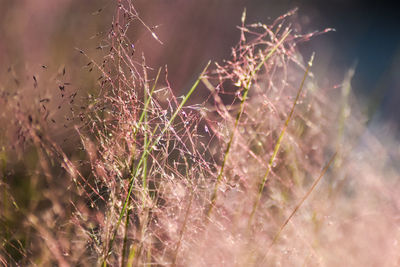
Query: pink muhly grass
(244,177)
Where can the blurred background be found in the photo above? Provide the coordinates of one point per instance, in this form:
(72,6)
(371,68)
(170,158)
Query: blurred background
(46,32)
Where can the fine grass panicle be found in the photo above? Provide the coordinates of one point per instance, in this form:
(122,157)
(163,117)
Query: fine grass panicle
(266,170)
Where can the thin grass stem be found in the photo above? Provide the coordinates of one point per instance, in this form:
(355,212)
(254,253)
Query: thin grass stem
(276,237)
(183,229)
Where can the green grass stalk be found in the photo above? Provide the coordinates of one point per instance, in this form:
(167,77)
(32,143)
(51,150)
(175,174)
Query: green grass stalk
(246,88)
(278,143)
(146,151)
(147,95)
